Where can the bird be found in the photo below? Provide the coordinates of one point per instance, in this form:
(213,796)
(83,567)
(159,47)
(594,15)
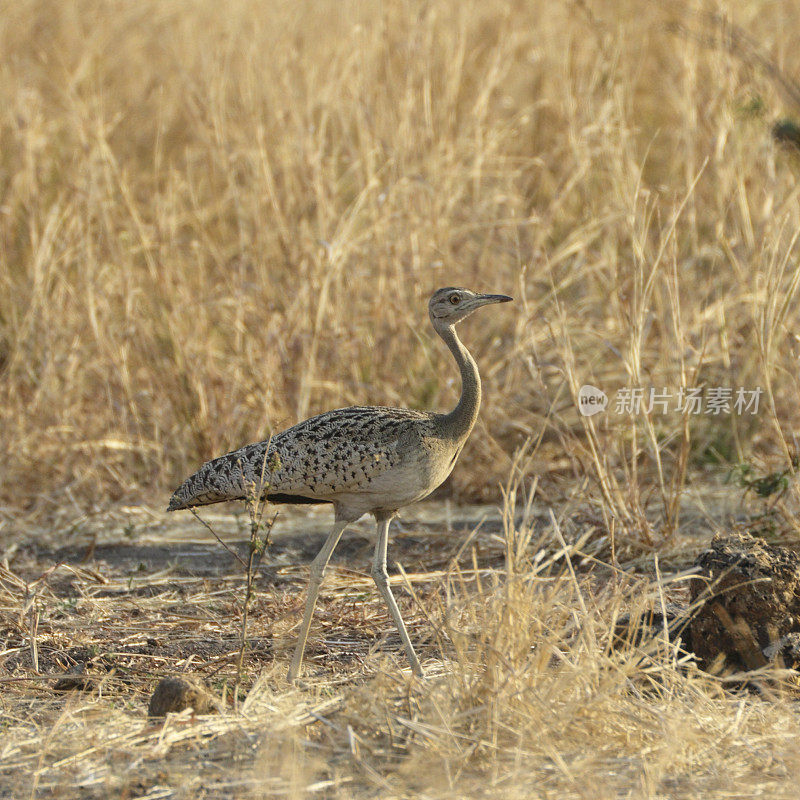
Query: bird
(361,459)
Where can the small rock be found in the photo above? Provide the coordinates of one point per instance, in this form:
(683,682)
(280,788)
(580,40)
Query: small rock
(747,600)
(176,694)
(787,133)
(73,681)
(634,629)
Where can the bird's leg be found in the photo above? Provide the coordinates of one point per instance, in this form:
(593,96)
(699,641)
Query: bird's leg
(381,578)
(318,566)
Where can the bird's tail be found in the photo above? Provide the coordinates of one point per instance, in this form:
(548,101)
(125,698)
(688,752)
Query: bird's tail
(215,482)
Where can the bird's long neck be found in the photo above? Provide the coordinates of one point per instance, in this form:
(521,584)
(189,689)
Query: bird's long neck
(460,421)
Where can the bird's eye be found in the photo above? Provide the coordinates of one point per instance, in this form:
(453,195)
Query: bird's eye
(455,299)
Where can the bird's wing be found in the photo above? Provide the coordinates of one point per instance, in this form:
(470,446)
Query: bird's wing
(337,452)
(341,451)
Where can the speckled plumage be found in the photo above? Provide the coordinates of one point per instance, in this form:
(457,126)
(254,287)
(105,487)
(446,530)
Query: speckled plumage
(366,459)
(336,456)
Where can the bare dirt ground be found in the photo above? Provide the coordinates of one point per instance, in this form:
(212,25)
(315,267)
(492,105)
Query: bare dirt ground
(92,618)
(90,626)
(153,566)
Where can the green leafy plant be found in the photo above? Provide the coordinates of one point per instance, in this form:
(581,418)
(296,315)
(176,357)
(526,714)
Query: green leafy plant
(765,486)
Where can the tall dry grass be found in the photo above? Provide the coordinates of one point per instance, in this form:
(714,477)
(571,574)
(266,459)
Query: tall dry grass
(219,218)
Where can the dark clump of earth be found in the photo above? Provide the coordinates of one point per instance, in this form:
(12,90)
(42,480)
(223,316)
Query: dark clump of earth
(745,605)
(636,629)
(743,611)
(173,695)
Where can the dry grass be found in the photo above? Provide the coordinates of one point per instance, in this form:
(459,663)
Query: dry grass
(218,218)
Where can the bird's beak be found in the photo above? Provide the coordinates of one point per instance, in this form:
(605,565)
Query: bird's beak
(485,299)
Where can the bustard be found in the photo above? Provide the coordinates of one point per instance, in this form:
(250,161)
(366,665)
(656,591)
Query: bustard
(363,460)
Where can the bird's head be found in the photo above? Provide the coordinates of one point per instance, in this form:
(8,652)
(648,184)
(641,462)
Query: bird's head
(449,306)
